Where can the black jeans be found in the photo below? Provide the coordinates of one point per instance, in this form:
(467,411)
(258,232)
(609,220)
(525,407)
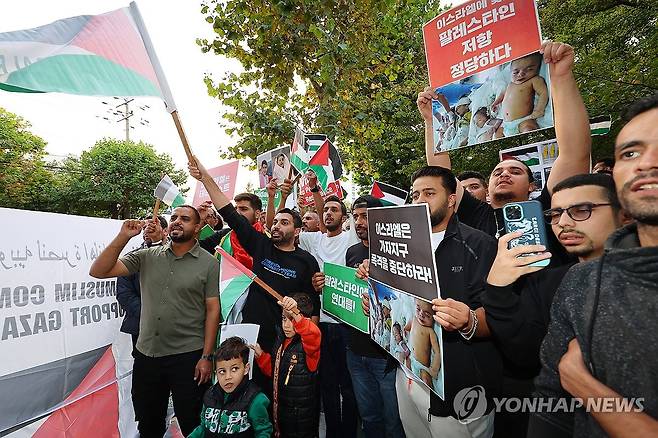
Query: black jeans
(153,379)
(340,411)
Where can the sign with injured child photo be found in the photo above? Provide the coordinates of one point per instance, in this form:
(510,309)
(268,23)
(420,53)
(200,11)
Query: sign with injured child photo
(491,81)
(403,281)
(403,326)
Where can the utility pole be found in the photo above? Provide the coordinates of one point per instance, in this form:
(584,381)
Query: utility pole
(127,114)
(124,114)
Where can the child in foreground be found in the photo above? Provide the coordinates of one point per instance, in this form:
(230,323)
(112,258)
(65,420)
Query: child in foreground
(293,366)
(234,406)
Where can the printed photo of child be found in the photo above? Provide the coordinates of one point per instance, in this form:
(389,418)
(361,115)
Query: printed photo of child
(404,327)
(273,164)
(504,101)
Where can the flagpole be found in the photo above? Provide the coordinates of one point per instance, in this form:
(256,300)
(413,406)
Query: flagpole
(183,137)
(156,208)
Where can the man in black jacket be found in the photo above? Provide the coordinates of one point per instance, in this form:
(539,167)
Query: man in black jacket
(602,341)
(128,294)
(585,211)
(463,258)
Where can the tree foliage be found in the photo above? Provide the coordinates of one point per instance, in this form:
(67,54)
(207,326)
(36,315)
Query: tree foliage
(24,181)
(113,179)
(116,179)
(353,70)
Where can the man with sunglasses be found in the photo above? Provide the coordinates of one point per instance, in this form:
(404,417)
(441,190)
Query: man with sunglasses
(602,342)
(585,211)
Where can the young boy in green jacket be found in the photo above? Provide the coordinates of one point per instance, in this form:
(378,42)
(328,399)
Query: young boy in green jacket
(234,406)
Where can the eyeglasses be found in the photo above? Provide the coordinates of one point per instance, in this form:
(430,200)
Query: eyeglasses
(577,212)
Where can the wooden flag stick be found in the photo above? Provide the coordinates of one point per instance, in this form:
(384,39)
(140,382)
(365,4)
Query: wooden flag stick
(183,137)
(268,289)
(156,208)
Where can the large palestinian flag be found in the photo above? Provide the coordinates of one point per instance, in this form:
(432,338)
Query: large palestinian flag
(317,153)
(234,280)
(94,55)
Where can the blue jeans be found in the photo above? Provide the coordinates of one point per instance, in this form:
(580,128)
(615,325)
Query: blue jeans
(374,389)
(335,384)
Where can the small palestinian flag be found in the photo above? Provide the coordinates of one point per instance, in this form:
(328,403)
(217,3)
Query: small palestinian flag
(206,232)
(600,125)
(321,165)
(234,280)
(389,195)
(167,192)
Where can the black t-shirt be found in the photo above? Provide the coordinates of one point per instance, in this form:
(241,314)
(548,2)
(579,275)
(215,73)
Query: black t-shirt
(482,216)
(360,343)
(287,272)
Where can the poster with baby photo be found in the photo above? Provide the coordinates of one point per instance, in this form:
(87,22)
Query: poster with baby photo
(508,100)
(483,62)
(273,164)
(404,327)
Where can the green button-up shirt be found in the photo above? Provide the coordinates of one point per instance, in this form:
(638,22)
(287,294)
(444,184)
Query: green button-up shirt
(174,292)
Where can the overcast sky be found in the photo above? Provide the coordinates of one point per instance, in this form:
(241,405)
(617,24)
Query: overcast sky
(69,124)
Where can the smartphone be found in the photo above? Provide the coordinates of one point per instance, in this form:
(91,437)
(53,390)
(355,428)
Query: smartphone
(528,218)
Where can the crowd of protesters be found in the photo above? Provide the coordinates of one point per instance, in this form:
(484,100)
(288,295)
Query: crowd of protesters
(576,339)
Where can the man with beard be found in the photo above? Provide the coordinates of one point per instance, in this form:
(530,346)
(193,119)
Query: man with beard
(128,294)
(512,180)
(335,383)
(276,261)
(463,258)
(247,205)
(585,211)
(179,319)
(310,222)
(372,369)
(602,341)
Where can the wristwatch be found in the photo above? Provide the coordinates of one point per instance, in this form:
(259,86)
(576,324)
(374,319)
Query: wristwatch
(315,189)
(208,357)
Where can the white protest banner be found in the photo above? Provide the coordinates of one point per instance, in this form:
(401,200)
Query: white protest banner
(58,326)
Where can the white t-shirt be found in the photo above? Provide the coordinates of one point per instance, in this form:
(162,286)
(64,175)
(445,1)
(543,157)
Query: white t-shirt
(328,249)
(437,238)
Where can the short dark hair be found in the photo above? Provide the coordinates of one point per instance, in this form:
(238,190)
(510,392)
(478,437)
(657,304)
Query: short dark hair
(602,180)
(448,179)
(253,200)
(538,57)
(263,162)
(528,170)
(467,174)
(196,214)
(334,198)
(233,348)
(296,217)
(609,162)
(640,106)
(367,201)
(163,221)
(304,303)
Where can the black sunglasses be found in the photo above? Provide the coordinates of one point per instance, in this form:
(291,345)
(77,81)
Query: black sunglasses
(577,212)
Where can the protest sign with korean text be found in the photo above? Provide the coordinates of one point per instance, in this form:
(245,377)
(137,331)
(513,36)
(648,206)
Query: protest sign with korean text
(225,176)
(341,295)
(401,253)
(478,35)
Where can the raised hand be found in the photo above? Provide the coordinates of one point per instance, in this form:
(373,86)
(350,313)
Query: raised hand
(424,103)
(131,227)
(559,56)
